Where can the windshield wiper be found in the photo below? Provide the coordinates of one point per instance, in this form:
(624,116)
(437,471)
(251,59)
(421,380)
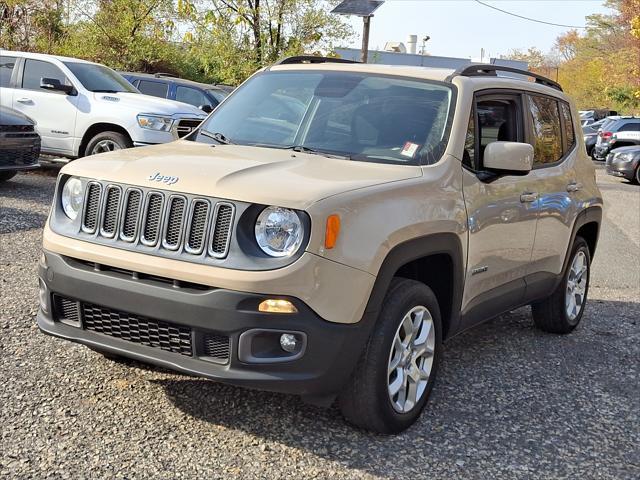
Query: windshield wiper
(218,137)
(313,151)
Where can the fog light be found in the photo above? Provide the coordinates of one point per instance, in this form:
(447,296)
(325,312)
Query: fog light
(288,342)
(273,305)
(42,297)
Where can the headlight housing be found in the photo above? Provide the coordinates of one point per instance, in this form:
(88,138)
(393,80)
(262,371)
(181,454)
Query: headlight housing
(155,122)
(72,197)
(625,157)
(279,231)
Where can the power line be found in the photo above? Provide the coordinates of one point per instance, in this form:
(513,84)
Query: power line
(527,18)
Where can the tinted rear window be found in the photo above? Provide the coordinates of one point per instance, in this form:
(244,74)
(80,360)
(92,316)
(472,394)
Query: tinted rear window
(546,129)
(156,89)
(6,69)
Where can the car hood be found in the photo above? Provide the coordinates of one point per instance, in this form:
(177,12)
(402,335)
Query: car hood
(243,173)
(629,149)
(147,104)
(9,116)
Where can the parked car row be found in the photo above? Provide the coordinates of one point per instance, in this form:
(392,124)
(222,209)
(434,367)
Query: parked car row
(618,132)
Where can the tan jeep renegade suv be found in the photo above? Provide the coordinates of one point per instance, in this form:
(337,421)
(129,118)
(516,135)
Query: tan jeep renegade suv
(326,229)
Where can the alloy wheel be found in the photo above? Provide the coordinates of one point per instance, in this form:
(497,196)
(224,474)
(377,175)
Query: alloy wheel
(576,285)
(105,146)
(411,359)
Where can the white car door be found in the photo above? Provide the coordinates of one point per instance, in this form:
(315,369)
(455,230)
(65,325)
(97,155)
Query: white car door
(55,112)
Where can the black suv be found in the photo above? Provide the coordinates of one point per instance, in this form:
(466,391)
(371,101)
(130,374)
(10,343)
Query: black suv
(19,143)
(202,95)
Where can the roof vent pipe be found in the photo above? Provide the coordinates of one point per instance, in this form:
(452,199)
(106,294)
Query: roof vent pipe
(412,42)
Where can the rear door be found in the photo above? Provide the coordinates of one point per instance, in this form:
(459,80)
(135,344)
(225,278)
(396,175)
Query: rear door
(7,68)
(502,211)
(54,112)
(555,155)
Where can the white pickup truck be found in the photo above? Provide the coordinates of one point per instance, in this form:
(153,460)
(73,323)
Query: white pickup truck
(82,108)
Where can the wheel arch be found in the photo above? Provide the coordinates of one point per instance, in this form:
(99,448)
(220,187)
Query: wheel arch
(435,260)
(97,128)
(587,226)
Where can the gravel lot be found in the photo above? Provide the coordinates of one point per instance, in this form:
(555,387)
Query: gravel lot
(510,401)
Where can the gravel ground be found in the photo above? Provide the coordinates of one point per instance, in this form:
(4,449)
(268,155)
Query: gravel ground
(510,401)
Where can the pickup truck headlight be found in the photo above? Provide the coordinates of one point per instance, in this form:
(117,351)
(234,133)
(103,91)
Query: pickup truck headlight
(72,197)
(279,231)
(155,122)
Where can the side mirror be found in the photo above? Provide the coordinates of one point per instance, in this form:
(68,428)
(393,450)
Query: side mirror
(55,85)
(509,157)
(206,108)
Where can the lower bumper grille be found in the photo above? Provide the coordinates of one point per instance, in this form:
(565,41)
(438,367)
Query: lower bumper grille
(138,329)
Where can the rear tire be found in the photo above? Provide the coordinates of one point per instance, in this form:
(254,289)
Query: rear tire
(558,313)
(394,358)
(107,142)
(7,175)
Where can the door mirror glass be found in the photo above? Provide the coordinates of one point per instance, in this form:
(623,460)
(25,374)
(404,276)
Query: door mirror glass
(55,85)
(206,108)
(509,157)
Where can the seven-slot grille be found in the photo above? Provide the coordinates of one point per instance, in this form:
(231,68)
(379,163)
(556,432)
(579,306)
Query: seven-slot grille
(156,219)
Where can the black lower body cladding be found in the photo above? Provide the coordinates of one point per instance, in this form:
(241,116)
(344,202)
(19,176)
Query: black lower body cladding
(178,326)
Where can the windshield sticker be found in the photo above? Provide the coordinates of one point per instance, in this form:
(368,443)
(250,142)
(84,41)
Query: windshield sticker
(409,149)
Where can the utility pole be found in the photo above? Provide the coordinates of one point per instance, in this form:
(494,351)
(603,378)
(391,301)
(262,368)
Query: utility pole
(366,23)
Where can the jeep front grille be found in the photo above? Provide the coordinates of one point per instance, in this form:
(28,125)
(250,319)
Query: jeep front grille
(196,227)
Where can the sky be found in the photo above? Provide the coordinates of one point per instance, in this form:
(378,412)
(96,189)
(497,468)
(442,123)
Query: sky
(460,28)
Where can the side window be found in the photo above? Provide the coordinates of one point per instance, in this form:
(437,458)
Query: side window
(191,96)
(36,70)
(498,121)
(469,154)
(547,141)
(155,89)
(569,130)
(6,69)
(630,127)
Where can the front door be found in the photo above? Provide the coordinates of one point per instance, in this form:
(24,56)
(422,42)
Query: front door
(502,212)
(54,112)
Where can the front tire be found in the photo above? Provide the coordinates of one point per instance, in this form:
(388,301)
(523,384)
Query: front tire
(107,142)
(563,310)
(636,177)
(7,175)
(396,372)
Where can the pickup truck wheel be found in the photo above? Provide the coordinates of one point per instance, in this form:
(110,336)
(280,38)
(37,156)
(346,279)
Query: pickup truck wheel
(396,372)
(7,175)
(107,142)
(562,311)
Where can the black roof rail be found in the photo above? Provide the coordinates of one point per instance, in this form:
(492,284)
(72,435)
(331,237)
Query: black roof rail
(482,69)
(162,74)
(312,59)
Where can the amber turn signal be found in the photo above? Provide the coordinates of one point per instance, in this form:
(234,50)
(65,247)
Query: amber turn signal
(273,305)
(332,232)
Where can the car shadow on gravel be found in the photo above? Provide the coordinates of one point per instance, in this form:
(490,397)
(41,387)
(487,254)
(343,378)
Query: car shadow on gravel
(505,390)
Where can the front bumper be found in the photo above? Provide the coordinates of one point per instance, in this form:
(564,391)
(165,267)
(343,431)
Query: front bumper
(19,152)
(620,168)
(329,355)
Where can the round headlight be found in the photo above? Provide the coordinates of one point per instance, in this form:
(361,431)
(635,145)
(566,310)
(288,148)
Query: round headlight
(72,198)
(279,231)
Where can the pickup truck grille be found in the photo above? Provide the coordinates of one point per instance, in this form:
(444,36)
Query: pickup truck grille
(186,126)
(157,220)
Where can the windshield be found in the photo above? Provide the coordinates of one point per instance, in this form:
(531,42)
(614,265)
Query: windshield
(98,78)
(360,116)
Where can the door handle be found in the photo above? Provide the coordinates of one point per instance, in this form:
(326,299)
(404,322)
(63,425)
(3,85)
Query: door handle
(529,197)
(574,187)
(24,100)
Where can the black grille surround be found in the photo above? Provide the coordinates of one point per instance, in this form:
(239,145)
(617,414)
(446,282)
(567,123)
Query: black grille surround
(157,222)
(141,330)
